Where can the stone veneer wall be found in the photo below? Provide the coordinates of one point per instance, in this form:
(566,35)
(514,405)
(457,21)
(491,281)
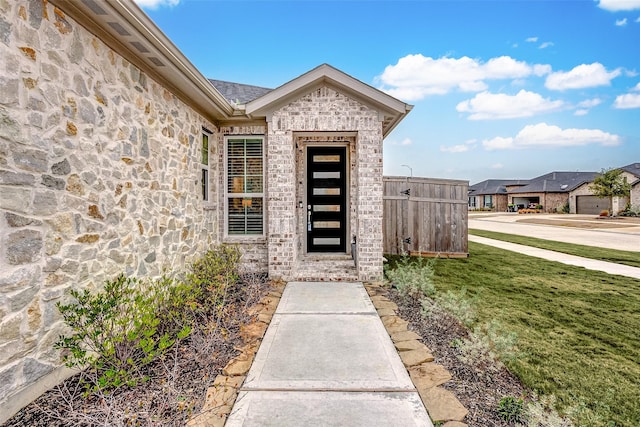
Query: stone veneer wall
(325,110)
(99,174)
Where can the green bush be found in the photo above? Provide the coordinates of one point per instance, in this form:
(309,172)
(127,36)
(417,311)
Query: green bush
(458,305)
(115,331)
(413,277)
(119,330)
(511,409)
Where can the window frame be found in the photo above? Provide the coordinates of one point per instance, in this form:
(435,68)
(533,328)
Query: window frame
(228,195)
(205,184)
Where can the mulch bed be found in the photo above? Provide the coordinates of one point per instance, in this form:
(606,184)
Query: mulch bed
(178,384)
(175,391)
(479,389)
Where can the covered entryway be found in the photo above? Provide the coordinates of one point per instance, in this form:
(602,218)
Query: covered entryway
(591,205)
(326,199)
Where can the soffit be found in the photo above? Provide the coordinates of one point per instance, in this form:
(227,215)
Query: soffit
(392,110)
(123,26)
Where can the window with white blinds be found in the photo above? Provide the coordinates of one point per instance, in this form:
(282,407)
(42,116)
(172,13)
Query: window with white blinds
(205,166)
(245,185)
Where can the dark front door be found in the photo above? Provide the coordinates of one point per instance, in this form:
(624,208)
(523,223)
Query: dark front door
(326,199)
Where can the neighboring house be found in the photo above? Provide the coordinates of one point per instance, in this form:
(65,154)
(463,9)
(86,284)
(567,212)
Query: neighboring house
(118,155)
(551,190)
(632,174)
(493,193)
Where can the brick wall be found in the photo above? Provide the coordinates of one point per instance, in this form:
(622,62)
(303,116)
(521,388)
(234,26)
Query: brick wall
(327,112)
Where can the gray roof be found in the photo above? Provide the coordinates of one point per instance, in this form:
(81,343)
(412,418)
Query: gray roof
(494,186)
(633,168)
(237,93)
(557,182)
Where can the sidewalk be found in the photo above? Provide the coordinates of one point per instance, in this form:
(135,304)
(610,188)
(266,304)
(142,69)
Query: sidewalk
(590,264)
(327,360)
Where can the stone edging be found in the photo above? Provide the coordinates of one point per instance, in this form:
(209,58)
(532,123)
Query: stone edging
(222,395)
(427,376)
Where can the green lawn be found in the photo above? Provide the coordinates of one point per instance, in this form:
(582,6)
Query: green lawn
(578,330)
(593,252)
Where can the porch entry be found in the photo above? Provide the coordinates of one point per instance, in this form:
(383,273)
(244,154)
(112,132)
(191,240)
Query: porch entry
(326,199)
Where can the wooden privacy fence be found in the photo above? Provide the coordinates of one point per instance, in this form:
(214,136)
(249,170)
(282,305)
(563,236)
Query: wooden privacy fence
(424,216)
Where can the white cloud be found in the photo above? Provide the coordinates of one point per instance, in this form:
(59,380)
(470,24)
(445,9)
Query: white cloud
(543,135)
(627,101)
(414,77)
(531,40)
(406,141)
(621,22)
(590,103)
(545,45)
(497,166)
(584,106)
(460,148)
(490,106)
(154,4)
(617,5)
(582,76)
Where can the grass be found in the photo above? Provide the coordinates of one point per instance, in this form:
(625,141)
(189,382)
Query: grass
(620,257)
(577,329)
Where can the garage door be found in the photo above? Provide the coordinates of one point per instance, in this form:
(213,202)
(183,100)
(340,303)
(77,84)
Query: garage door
(591,205)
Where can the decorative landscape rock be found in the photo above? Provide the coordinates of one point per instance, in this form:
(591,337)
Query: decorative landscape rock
(253,331)
(383,312)
(442,405)
(404,336)
(411,345)
(415,357)
(428,375)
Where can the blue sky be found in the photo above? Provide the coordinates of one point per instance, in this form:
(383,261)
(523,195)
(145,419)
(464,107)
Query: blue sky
(501,89)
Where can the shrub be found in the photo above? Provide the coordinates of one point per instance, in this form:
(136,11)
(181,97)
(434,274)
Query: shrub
(511,409)
(631,211)
(540,412)
(487,343)
(115,331)
(413,277)
(119,330)
(458,305)
(604,212)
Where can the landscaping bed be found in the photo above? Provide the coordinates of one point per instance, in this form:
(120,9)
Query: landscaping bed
(171,389)
(576,335)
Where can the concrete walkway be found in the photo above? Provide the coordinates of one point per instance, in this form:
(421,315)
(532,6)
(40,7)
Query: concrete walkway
(327,360)
(590,264)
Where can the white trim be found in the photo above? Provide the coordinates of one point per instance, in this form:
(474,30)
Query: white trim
(263,195)
(206,202)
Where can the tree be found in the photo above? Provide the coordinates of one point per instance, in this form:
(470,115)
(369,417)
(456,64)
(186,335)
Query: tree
(610,184)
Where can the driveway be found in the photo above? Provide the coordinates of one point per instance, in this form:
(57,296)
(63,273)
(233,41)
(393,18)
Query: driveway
(577,229)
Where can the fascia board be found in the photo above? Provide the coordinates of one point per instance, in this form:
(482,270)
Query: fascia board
(326,75)
(178,74)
